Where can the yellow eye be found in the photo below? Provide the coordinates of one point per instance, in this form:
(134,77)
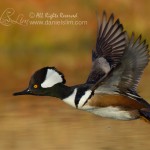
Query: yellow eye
(35,86)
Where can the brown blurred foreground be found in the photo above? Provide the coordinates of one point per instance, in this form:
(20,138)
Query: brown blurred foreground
(40,123)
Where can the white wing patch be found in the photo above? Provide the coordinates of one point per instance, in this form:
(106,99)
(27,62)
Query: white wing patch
(71,99)
(52,78)
(84,98)
(103,64)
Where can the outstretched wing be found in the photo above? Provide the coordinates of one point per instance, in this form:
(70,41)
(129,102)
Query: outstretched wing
(110,46)
(127,75)
(135,60)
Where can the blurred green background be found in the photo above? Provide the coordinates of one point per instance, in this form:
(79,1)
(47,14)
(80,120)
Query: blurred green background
(43,123)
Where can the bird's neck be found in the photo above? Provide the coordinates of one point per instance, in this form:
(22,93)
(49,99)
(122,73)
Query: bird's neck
(60,91)
(75,96)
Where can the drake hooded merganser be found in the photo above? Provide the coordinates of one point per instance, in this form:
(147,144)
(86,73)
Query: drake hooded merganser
(110,89)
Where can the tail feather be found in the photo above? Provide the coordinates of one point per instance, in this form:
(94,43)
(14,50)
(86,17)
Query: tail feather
(145,114)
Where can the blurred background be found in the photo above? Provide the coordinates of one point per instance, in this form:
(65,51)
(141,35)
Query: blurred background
(42,123)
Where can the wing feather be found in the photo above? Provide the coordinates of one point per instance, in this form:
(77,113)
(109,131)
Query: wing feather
(127,75)
(110,46)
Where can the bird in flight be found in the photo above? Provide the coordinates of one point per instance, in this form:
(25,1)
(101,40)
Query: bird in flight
(110,90)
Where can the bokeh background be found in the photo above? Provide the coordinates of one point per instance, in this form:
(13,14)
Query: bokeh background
(44,123)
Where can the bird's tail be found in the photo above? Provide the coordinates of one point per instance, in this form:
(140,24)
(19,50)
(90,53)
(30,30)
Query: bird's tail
(145,114)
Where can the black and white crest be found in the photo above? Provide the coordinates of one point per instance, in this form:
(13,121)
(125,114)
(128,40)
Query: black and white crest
(48,77)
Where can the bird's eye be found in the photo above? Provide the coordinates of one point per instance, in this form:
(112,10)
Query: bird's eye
(35,86)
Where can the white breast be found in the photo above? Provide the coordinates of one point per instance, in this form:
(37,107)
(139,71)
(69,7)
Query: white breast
(84,98)
(71,99)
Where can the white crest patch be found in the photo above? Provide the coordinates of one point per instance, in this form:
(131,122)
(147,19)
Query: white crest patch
(84,98)
(52,78)
(71,99)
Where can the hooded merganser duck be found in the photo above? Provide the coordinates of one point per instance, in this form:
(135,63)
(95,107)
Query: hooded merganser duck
(110,89)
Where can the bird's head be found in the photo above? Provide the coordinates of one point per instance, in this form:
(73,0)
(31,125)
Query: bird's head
(44,82)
